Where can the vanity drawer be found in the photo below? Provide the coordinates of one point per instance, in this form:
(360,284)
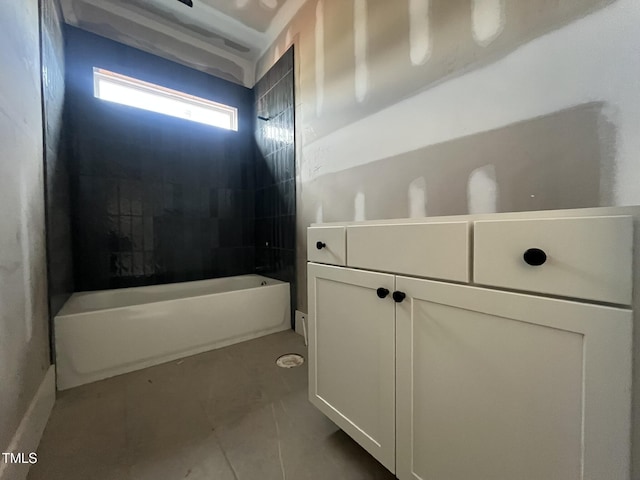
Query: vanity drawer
(433,250)
(587,257)
(326,245)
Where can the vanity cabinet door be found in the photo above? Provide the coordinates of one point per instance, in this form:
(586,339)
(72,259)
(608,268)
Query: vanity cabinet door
(502,386)
(352,354)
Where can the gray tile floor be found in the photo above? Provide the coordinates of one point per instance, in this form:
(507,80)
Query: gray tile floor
(226,414)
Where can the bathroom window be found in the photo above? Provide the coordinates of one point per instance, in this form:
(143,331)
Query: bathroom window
(117,88)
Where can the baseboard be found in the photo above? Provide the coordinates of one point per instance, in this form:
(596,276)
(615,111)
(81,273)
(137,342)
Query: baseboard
(299,319)
(301,324)
(27,437)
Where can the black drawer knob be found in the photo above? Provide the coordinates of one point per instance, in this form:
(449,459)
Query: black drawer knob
(382,292)
(535,257)
(398,297)
(320,245)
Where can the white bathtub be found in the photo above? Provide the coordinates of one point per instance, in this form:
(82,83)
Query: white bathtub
(110,332)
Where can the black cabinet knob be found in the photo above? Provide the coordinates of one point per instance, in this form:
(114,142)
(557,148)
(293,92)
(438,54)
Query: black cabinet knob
(382,292)
(535,257)
(320,245)
(398,297)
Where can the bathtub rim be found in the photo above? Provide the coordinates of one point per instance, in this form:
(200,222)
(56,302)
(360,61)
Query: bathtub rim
(60,314)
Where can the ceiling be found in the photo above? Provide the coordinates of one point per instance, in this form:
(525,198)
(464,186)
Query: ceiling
(224,38)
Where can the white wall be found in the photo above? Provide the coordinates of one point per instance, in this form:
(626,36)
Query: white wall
(24,350)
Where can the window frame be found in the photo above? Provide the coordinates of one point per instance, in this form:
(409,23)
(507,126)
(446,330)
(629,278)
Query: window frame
(100,74)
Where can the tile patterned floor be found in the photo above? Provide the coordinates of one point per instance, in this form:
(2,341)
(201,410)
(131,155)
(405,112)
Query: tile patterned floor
(229,414)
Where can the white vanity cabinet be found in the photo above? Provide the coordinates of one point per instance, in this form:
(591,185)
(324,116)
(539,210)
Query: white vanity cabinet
(352,355)
(443,379)
(501,386)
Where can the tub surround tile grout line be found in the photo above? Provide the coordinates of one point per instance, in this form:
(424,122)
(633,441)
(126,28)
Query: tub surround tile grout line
(275,84)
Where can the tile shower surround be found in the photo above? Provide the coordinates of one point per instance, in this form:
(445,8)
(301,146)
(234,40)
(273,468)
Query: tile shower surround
(56,165)
(155,199)
(275,173)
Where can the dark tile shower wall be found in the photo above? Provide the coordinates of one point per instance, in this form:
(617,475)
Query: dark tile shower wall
(155,199)
(58,203)
(275,173)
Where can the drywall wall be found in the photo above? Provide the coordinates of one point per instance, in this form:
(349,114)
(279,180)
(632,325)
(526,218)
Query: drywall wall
(24,351)
(419,85)
(438,107)
(220,37)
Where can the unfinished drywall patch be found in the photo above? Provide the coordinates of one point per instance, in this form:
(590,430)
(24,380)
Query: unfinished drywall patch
(418,198)
(482,191)
(202,60)
(175,42)
(419,34)
(288,38)
(392,75)
(319,32)
(359,208)
(319,214)
(360,46)
(172,19)
(27,265)
(488,20)
(549,74)
(524,174)
(608,119)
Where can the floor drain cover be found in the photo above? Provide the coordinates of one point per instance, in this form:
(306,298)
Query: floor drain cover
(290,360)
